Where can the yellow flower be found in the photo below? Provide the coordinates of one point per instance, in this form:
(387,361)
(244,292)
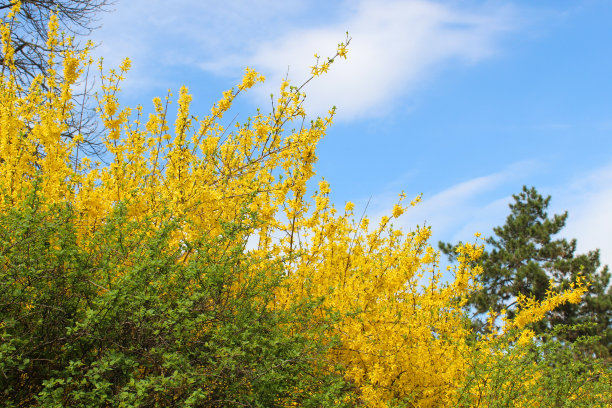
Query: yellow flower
(126,64)
(397,210)
(525,337)
(324,187)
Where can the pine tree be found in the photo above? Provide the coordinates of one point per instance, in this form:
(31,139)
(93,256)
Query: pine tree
(523,257)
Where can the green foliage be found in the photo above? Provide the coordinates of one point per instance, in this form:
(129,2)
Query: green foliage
(523,258)
(123,320)
(544,373)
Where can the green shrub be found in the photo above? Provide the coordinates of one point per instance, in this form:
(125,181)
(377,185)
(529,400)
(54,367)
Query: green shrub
(123,320)
(545,372)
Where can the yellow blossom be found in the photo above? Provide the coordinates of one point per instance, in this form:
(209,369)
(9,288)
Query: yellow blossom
(397,210)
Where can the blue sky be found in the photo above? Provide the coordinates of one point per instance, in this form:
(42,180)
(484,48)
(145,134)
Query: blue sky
(464,101)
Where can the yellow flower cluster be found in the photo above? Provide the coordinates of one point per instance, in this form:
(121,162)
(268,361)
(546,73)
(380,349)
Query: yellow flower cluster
(321,68)
(531,311)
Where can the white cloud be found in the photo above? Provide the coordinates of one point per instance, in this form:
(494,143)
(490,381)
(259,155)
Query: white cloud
(156,33)
(588,200)
(396,44)
(461,210)
(479,204)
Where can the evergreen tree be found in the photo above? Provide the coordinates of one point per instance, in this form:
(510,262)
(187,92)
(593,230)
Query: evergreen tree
(523,257)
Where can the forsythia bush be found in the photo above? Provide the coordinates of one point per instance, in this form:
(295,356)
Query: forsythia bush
(196,269)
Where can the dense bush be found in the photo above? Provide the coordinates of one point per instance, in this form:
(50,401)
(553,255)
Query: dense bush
(118,319)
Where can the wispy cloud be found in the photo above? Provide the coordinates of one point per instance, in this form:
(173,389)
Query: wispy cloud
(461,210)
(396,44)
(479,204)
(588,200)
(161,37)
